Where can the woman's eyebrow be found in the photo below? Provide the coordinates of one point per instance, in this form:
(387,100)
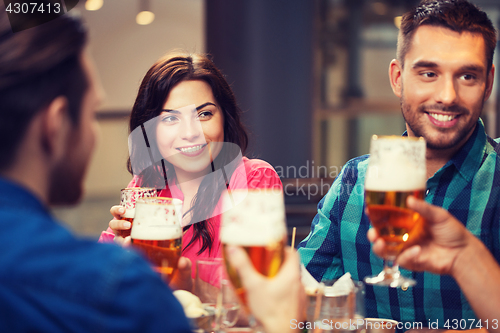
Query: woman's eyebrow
(196,109)
(205,104)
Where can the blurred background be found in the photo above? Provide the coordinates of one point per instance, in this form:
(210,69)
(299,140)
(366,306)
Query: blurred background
(310,75)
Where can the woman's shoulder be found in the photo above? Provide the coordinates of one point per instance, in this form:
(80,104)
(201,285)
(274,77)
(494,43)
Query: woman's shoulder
(255,164)
(255,174)
(135,182)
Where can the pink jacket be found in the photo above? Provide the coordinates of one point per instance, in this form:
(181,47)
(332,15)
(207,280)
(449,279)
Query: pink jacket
(251,174)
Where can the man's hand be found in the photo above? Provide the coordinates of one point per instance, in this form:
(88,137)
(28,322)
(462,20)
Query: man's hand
(437,248)
(273,301)
(447,247)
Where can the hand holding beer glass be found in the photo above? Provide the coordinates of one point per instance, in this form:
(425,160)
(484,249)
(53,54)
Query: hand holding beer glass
(157,233)
(254,220)
(396,170)
(129,196)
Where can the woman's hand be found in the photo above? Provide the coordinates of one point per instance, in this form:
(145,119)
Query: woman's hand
(182,278)
(118,225)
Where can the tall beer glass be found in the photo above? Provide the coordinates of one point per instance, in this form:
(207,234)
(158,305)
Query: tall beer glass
(128,198)
(157,233)
(254,220)
(396,170)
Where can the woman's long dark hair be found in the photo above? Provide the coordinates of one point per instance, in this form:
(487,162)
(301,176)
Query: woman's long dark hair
(161,78)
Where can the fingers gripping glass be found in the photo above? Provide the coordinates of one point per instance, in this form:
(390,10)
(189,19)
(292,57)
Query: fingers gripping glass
(129,196)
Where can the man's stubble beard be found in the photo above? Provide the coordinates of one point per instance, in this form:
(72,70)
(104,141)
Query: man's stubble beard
(66,186)
(67,177)
(419,131)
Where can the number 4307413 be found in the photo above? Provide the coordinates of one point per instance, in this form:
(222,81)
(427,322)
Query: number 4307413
(33,7)
(464,324)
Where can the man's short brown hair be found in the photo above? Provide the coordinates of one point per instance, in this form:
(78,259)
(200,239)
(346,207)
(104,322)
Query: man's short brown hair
(36,66)
(457,15)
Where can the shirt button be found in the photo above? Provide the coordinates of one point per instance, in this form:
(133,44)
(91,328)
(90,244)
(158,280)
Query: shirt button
(427,192)
(404,288)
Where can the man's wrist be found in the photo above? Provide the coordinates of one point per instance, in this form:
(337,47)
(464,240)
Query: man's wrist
(466,256)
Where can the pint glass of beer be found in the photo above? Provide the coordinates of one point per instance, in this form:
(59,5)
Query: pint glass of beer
(396,170)
(157,233)
(129,196)
(254,220)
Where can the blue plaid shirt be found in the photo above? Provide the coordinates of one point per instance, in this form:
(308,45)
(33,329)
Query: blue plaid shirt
(468,186)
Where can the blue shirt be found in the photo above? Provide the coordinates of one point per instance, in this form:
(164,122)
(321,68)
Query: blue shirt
(468,186)
(52,282)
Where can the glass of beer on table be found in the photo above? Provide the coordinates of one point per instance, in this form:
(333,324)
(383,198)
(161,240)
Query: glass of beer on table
(216,293)
(157,233)
(129,196)
(396,170)
(254,220)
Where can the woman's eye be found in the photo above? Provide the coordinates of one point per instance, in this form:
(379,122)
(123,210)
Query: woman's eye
(169,119)
(204,115)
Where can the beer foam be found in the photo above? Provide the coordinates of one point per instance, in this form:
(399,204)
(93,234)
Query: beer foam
(395,179)
(252,235)
(129,213)
(396,164)
(159,214)
(155,232)
(253,217)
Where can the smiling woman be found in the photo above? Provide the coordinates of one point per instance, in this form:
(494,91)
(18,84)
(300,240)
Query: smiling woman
(187,140)
(187,135)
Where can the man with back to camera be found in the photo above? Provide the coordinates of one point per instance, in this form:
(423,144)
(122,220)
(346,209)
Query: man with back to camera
(443,74)
(50,281)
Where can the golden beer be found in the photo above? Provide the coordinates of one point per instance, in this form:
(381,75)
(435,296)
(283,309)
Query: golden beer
(126,233)
(389,215)
(266,259)
(157,233)
(254,220)
(396,170)
(162,254)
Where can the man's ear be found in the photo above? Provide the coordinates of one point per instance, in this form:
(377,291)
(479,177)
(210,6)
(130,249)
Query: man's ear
(489,83)
(395,76)
(55,127)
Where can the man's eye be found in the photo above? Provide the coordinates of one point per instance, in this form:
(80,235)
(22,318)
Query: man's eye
(429,74)
(468,77)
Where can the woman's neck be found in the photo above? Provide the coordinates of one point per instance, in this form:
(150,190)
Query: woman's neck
(188,183)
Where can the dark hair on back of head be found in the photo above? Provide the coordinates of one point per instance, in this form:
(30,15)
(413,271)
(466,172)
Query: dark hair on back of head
(36,66)
(457,15)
